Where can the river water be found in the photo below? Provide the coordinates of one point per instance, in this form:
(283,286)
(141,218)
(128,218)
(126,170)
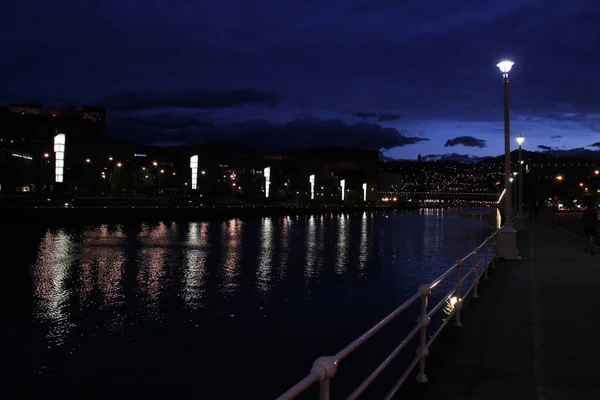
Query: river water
(214,309)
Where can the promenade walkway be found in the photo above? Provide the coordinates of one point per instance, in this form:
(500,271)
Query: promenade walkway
(535,331)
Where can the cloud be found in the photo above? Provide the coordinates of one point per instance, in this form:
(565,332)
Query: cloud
(545,148)
(301,133)
(201,99)
(381,117)
(388,117)
(366,114)
(467,141)
(555,137)
(597,144)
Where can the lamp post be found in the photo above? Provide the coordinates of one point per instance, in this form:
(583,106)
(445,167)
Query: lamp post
(555,197)
(507,244)
(520,218)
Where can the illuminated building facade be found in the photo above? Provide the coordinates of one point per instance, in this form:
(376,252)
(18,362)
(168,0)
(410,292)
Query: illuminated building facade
(194,168)
(267,174)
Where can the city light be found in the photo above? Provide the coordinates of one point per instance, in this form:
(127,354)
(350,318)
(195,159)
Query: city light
(267,173)
(87,160)
(559,178)
(110,158)
(194,168)
(119,165)
(203,172)
(162,171)
(343,186)
(597,172)
(581,184)
(46,155)
(311,180)
(155,163)
(364,192)
(59,158)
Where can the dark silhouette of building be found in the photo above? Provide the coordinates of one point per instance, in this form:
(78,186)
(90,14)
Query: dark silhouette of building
(30,129)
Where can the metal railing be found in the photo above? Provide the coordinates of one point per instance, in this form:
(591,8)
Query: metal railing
(478,263)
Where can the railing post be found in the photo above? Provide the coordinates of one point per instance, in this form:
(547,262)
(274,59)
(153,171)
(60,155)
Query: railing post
(476,276)
(458,305)
(424,320)
(486,264)
(326,367)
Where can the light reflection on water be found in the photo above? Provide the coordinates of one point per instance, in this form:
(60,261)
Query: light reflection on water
(106,280)
(196,254)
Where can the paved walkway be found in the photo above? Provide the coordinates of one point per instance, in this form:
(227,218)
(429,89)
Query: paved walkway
(535,331)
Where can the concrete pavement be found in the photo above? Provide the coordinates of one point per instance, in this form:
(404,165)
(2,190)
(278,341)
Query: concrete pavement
(535,331)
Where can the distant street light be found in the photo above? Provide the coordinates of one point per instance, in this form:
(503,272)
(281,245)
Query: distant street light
(87,160)
(508,235)
(119,165)
(46,155)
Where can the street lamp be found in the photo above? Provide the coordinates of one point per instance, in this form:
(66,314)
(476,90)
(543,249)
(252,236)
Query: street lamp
(555,206)
(507,247)
(520,218)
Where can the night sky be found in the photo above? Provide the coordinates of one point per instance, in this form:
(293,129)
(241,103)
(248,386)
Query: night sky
(287,74)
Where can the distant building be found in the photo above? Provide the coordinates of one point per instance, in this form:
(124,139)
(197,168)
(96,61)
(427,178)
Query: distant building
(291,171)
(30,129)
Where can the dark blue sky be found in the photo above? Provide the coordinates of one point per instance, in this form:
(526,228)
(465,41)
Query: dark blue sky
(371,73)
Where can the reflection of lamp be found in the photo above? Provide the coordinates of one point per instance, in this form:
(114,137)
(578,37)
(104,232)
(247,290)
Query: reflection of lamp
(59,151)
(343,185)
(194,168)
(364,192)
(267,173)
(311,179)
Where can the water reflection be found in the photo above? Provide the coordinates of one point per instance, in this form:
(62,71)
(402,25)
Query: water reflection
(101,271)
(362,255)
(50,291)
(151,261)
(167,280)
(231,241)
(342,245)
(311,247)
(284,246)
(196,254)
(265,258)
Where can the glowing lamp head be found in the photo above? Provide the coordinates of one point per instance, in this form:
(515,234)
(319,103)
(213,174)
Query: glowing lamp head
(505,66)
(520,139)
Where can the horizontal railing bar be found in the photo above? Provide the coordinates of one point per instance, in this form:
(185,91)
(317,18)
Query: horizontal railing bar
(361,388)
(300,387)
(407,372)
(357,342)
